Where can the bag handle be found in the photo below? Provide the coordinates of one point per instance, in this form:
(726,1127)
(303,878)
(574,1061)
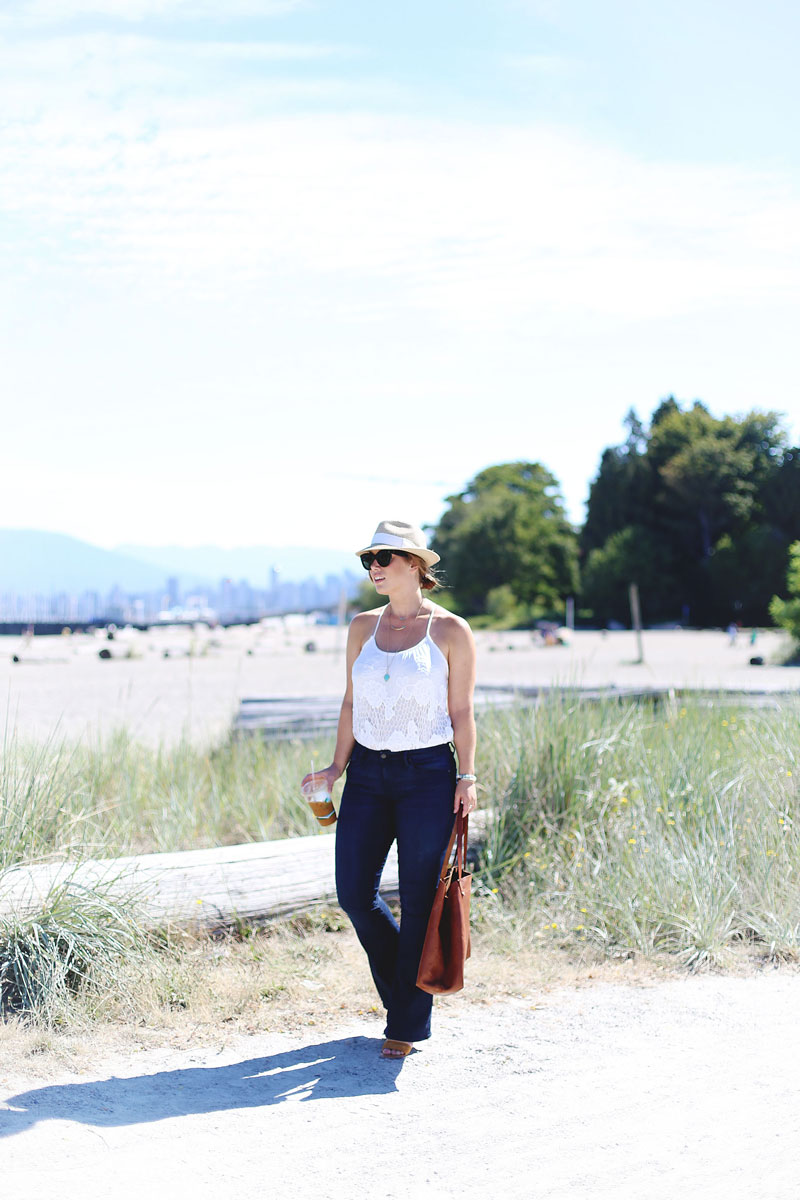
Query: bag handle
(458,840)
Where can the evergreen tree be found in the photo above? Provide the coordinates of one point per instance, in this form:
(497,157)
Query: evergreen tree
(698,511)
(506,537)
(787,612)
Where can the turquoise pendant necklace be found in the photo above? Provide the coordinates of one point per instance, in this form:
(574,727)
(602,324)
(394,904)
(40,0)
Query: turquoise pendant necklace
(390,653)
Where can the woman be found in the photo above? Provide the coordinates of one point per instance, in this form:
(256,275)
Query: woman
(410,683)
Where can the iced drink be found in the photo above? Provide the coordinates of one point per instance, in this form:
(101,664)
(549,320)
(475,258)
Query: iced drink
(319,798)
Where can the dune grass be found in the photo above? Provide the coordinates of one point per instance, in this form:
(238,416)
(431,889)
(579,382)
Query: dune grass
(121,797)
(76,942)
(647,828)
(617,828)
(62,802)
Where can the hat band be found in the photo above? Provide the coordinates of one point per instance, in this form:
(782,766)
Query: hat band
(389,539)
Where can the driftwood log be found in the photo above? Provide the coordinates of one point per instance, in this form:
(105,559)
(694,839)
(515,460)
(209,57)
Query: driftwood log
(208,887)
(211,887)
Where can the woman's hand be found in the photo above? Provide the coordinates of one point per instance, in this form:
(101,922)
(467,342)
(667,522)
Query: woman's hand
(329,774)
(466,797)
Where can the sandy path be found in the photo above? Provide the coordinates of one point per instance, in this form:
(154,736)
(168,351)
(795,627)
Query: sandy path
(61,684)
(683,1088)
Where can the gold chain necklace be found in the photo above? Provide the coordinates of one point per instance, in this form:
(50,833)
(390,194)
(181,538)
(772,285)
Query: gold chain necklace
(390,653)
(399,627)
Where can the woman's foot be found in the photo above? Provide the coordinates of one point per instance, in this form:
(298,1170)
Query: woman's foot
(394,1049)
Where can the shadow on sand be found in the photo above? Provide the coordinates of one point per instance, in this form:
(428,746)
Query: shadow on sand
(328,1071)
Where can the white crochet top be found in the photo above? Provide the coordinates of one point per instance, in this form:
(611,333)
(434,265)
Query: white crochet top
(400,696)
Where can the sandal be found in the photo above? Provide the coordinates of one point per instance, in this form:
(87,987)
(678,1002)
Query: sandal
(393,1049)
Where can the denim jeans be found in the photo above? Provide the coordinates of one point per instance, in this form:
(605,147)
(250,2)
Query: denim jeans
(405,795)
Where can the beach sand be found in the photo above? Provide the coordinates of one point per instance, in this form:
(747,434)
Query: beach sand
(170,682)
(684,1087)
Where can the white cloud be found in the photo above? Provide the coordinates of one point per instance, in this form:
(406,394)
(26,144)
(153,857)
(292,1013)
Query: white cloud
(471,222)
(167,165)
(137,10)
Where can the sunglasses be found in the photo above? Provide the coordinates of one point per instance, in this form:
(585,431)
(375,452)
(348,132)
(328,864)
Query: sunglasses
(381,557)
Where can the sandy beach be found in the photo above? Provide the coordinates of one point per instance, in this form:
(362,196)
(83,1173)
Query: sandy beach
(169,682)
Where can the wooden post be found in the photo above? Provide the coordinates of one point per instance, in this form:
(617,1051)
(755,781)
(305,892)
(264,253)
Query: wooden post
(636,617)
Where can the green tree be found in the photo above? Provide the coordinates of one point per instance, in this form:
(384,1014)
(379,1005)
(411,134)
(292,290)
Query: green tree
(712,472)
(623,489)
(786,613)
(781,496)
(628,556)
(707,499)
(508,530)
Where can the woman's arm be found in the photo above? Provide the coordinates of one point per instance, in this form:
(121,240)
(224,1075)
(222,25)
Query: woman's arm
(344,732)
(357,634)
(460,702)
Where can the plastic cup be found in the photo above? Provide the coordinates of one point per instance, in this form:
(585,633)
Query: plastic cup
(319,800)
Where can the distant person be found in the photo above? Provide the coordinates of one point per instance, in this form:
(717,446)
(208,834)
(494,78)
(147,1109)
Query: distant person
(732,632)
(407,707)
(753,635)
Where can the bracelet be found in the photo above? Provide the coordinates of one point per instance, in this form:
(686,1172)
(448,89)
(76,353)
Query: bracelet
(466,775)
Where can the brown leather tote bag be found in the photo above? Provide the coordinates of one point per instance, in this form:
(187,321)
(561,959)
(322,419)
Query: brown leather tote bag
(447,940)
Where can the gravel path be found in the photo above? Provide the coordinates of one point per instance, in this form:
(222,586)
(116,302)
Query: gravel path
(684,1088)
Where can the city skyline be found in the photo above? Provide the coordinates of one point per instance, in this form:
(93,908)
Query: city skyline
(50,577)
(230,600)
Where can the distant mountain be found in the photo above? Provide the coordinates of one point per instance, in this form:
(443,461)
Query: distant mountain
(203,564)
(32,560)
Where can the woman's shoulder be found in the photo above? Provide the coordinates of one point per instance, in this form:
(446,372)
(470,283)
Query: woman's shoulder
(362,626)
(449,626)
(363,623)
(368,617)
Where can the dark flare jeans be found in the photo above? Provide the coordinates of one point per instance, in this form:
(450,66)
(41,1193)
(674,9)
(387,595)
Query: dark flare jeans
(407,796)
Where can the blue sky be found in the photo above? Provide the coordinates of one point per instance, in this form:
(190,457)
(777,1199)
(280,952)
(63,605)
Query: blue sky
(272,271)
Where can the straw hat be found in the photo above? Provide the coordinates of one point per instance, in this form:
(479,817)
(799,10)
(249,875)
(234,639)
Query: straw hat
(399,535)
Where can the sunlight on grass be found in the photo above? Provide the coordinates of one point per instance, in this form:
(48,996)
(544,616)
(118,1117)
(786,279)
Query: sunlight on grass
(616,828)
(649,828)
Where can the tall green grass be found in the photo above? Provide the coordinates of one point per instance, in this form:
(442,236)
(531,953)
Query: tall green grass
(622,826)
(124,798)
(76,941)
(115,799)
(650,828)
